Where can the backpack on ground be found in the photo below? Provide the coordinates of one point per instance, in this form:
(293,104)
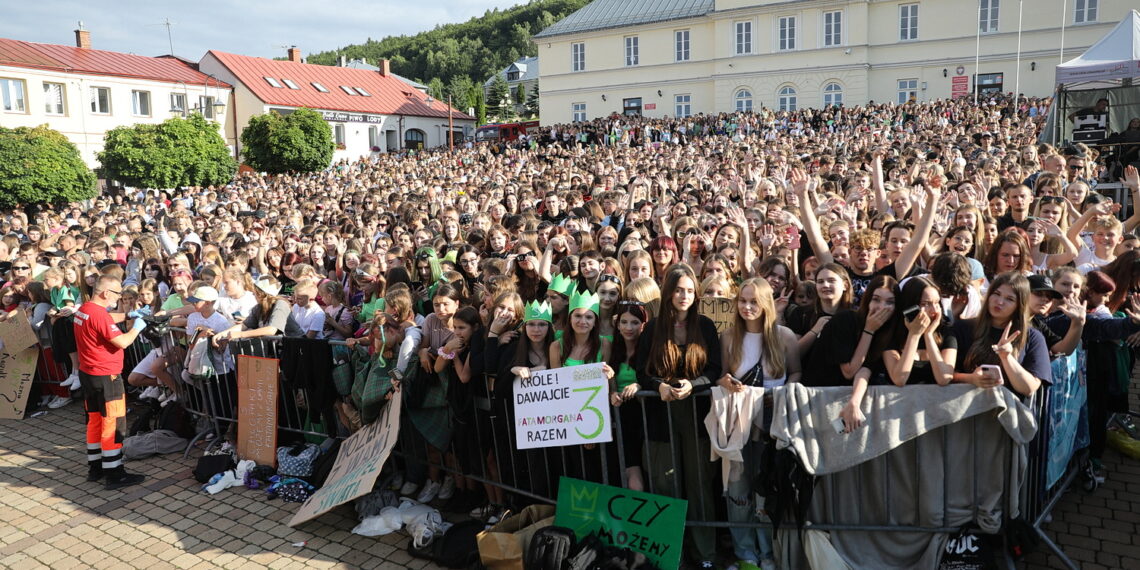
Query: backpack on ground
(323,465)
(199,367)
(148,411)
(157,442)
(550,548)
(457,548)
(176,418)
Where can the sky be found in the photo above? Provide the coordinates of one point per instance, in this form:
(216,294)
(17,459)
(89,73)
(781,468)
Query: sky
(247,27)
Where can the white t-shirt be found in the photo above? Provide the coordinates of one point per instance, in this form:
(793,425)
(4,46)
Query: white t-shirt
(310,318)
(242,306)
(218,323)
(1087,260)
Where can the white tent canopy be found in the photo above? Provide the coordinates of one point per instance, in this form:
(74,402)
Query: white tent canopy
(1116,56)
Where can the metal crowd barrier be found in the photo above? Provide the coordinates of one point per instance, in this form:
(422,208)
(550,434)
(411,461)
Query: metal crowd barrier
(488,448)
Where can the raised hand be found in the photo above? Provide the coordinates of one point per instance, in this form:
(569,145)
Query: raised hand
(1005,343)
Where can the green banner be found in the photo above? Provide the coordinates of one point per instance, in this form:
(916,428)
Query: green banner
(643,522)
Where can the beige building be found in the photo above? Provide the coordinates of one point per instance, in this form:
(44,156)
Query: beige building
(679,57)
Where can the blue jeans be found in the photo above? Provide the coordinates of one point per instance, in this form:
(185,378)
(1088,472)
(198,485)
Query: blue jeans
(748,543)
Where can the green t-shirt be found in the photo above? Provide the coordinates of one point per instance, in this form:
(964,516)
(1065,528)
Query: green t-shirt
(369,309)
(173,301)
(60,296)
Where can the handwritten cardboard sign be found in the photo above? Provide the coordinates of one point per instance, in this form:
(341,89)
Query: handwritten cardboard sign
(721,310)
(642,522)
(17,371)
(564,406)
(357,464)
(257,405)
(17,334)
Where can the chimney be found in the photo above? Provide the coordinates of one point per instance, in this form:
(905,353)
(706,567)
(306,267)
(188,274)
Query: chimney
(82,38)
(295,55)
(385,67)
(342,61)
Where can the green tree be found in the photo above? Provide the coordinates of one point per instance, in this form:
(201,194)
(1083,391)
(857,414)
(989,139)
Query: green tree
(436,89)
(177,152)
(520,94)
(298,142)
(532,101)
(499,98)
(39,165)
(480,108)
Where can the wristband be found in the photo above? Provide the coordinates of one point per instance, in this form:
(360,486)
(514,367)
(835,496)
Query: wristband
(865,331)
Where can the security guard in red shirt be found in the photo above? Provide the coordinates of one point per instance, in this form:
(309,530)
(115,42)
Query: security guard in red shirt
(100,345)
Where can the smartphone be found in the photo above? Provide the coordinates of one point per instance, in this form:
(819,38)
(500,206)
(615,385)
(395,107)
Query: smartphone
(793,237)
(910,313)
(994,371)
(838,426)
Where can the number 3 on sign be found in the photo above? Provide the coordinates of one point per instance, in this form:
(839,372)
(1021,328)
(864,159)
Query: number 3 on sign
(597,412)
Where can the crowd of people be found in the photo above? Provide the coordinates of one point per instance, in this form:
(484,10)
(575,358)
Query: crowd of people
(927,243)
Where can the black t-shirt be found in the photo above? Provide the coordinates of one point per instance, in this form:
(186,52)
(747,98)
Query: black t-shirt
(920,371)
(1006,221)
(1034,358)
(859,284)
(835,345)
(1051,337)
(889,270)
(555,219)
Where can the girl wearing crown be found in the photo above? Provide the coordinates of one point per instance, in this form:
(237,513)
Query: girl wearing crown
(533,354)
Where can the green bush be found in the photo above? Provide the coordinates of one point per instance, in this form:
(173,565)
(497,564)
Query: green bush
(39,165)
(298,142)
(175,153)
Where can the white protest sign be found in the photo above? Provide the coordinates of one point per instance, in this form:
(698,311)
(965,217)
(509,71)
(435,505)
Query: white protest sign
(564,406)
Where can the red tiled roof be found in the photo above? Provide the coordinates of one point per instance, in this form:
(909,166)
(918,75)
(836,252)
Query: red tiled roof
(387,94)
(71,59)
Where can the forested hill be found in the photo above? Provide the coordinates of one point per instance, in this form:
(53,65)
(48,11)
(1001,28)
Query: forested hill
(466,53)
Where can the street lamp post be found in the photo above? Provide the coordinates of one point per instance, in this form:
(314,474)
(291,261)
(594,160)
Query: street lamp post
(450,127)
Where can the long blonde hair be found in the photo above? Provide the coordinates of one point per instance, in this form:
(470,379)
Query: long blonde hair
(773,348)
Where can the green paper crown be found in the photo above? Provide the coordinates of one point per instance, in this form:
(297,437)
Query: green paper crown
(586,301)
(536,311)
(563,285)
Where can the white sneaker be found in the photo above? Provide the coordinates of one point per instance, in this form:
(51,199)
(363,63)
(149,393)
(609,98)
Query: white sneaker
(408,489)
(151,392)
(447,490)
(72,382)
(429,492)
(166,398)
(58,402)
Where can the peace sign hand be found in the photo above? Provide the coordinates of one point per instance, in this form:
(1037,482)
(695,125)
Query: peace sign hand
(1004,346)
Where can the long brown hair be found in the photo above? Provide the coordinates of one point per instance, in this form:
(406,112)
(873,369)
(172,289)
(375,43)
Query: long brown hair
(982,352)
(773,348)
(666,359)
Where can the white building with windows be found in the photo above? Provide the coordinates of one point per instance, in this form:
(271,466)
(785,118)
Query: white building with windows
(524,72)
(368,111)
(679,57)
(84,92)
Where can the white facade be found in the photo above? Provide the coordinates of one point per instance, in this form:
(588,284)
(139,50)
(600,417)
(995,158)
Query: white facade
(742,54)
(84,106)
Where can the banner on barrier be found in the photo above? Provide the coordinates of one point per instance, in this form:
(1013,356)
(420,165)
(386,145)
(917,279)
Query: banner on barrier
(642,522)
(257,409)
(721,310)
(357,465)
(563,406)
(17,371)
(16,333)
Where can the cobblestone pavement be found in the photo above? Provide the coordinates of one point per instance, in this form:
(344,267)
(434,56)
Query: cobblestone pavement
(54,518)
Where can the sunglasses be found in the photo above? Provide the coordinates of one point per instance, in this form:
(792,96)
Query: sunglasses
(1052,199)
(634,303)
(611,278)
(21,267)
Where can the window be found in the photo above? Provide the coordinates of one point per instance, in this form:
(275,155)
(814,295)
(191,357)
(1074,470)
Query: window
(786,28)
(338,134)
(578,110)
(347,89)
(832,28)
(743,38)
(101,100)
(908,91)
(990,83)
(363,92)
(178,103)
(206,106)
(12,92)
(319,87)
(373,137)
(743,100)
(631,106)
(683,105)
(631,51)
(578,57)
(908,22)
(54,99)
(513,75)
(832,95)
(988,16)
(289,83)
(1085,11)
(681,39)
(786,99)
(140,103)
(414,138)
(272,82)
